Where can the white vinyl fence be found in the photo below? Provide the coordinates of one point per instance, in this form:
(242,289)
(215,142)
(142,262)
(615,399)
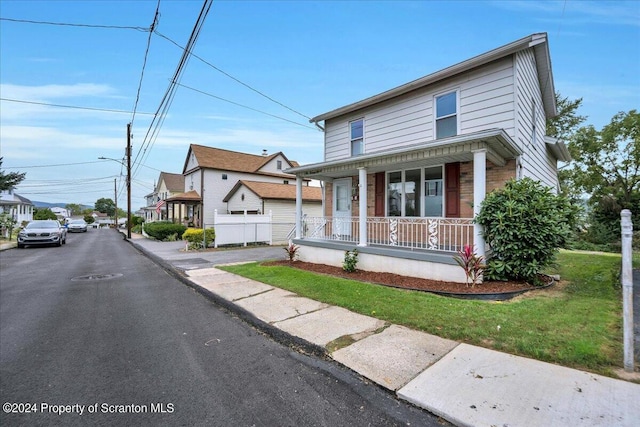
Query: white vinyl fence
(241,229)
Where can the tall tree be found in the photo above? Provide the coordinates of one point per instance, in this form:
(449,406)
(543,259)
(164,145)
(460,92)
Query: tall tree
(563,127)
(10,180)
(106,206)
(607,162)
(566,123)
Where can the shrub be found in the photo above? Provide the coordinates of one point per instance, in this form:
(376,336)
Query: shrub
(292,251)
(194,237)
(524,225)
(164,230)
(350,261)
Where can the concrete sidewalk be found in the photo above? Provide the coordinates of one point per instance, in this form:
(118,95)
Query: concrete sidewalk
(466,385)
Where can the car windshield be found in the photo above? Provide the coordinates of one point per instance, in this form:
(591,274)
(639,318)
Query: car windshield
(77,221)
(42,224)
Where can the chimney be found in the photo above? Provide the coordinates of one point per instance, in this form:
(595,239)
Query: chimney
(264,153)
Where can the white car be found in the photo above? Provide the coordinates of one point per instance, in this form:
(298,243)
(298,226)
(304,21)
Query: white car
(42,232)
(77,226)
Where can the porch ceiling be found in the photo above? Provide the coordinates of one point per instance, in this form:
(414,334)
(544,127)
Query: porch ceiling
(500,148)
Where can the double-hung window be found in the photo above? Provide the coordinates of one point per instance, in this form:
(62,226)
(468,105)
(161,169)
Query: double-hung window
(446,115)
(356,129)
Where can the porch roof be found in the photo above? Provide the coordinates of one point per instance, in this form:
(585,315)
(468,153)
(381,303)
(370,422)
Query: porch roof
(190,196)
(500,148)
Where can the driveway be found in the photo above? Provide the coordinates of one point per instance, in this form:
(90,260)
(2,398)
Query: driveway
(175,254)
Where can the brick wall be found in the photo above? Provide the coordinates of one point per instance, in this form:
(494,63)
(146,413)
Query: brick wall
(497,176)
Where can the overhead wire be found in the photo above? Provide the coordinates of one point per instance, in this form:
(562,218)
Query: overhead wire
(234,78)
(47,104)
(245,106)
(167,99)
(144,63)
(66,24)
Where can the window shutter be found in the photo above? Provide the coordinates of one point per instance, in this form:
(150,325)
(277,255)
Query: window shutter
(380,184)
(452,190)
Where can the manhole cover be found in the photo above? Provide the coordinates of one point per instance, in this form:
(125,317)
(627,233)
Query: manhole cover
(97,277)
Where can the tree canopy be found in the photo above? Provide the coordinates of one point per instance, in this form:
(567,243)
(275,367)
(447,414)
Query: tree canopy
(11,179)
(607,162)
(106,206)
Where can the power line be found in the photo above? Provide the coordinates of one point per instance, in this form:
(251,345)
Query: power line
(51,166)
(244,106)
(144,63)
(66,24)
(234,78)
(167,99)
(108,110)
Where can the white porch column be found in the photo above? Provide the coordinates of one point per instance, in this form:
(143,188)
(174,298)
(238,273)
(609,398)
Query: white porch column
(298,207)
(362,183)
(479,191)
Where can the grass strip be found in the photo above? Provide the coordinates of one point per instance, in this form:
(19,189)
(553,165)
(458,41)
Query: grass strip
(576,324)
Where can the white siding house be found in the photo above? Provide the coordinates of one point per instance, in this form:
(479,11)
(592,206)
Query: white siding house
(211,173)
(279,200)
(406,170)
(19,208)
(169,184)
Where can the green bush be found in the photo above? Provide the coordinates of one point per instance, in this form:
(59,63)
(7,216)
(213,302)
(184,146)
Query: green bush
(164,230)
(524,225)
(194,237)
(350,261)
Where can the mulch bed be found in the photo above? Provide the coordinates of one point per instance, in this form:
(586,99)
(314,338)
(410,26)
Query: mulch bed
(405,282)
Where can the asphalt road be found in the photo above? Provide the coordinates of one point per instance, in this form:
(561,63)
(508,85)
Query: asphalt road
(95,328)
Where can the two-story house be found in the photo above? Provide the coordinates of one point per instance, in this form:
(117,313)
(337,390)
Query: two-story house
(210,175)
(156,209)
(407,169)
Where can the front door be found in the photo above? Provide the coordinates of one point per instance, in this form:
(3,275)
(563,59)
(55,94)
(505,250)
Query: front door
(342,207)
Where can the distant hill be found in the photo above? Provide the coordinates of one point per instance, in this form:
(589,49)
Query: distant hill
(51,205)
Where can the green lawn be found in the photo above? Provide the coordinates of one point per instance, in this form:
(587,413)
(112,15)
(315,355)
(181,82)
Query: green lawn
(577,324)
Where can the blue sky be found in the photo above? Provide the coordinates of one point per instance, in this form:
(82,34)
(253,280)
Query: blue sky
(310,57)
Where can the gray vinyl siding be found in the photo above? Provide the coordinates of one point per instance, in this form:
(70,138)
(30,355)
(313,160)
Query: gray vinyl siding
(486,101)
(537,162)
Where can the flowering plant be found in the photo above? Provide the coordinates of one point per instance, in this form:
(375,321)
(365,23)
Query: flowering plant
(472,264)
(292,251)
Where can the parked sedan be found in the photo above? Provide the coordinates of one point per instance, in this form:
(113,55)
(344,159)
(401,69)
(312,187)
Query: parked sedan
(42,232)
(77,225)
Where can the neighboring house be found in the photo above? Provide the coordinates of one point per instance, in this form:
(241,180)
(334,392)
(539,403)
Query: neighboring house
(254,197)
(18,207)
(169,184)
(407,169)
(210,174)
(61,213)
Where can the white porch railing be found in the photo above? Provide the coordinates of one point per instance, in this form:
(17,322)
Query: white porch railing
(437,234)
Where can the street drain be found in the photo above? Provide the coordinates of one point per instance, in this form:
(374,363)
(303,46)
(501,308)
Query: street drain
(96,277)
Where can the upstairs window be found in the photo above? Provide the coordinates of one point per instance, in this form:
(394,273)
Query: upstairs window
(446,115)
(279,165)
(357,137)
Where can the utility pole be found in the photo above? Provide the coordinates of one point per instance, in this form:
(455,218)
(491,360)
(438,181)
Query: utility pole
(128,180)
(115,198)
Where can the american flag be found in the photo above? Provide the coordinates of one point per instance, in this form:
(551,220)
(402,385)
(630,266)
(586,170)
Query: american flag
(159,206)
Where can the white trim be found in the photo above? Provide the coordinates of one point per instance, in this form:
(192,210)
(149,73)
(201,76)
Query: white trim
(479,192)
